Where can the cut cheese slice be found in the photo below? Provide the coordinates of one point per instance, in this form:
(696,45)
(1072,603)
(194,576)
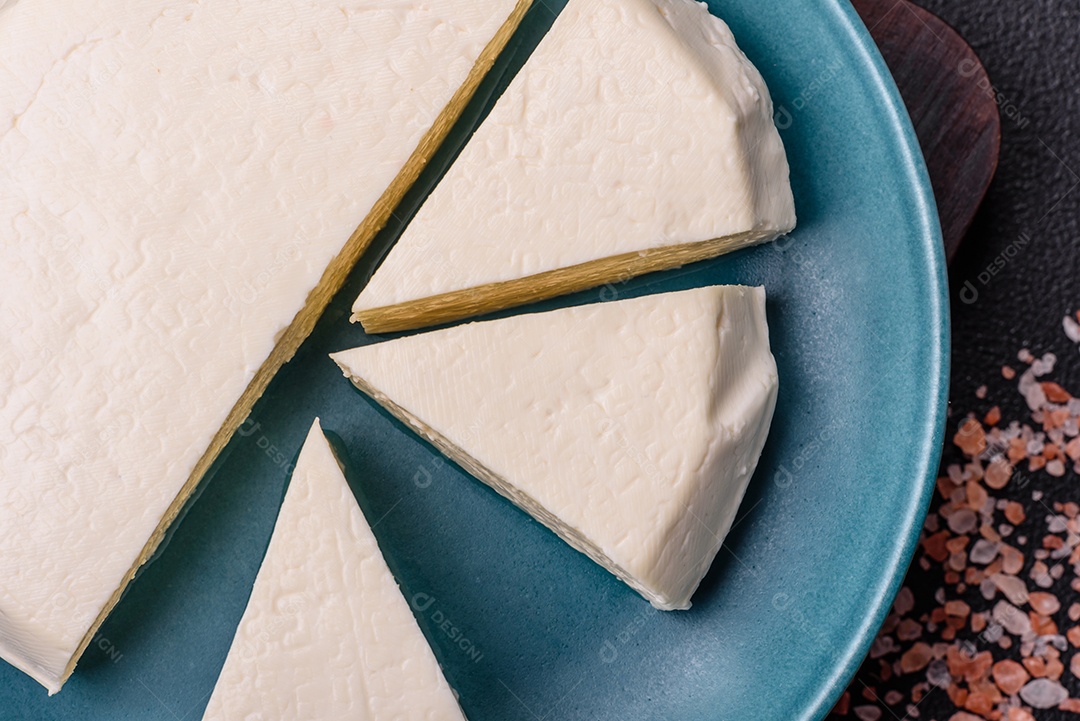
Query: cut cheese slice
(327,635)
(183,186)
(631,429)
(637,137)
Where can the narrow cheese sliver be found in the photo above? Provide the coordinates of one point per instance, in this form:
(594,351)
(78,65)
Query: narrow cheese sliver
(637,137)
(631,429)
(327,634)
(182,188)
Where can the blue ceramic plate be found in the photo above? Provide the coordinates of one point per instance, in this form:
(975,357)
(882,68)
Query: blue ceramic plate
(527,628)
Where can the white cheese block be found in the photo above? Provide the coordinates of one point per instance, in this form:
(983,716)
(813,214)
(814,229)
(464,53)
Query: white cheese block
(181,186)
(636,137)
(327,635)
(631,428)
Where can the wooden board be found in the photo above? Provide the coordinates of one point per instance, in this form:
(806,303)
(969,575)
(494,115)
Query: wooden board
(951,102)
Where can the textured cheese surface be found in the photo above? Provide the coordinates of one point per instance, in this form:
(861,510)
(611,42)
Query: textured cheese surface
(635,124)
(630,428)
(327,635)
(175,178)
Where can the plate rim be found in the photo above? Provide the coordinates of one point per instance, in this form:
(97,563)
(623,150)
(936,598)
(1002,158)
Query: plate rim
(928,450)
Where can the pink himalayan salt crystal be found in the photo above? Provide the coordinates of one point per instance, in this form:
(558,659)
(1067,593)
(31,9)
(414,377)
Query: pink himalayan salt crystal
(998,473)
(1044,603)
(963,521)
(1011,618)
(1043,693)
(905,601)
(909,630)
(882,646)
(917,657)
(1010,676)
(983,552)
(1072,328)
(867,713)
(971,438)
(1014,588)
(1019,714)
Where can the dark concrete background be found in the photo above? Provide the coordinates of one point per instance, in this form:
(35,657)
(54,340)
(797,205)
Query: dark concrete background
(1031,216)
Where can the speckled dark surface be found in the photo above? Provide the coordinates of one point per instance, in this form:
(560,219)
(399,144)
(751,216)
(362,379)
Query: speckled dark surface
(1031,53)
(1018,272)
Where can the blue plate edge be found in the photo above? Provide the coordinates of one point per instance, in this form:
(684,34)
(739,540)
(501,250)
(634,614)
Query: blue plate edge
(930,449)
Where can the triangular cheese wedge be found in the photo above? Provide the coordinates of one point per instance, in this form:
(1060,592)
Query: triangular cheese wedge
(630,428)
(637,137)
(327,634)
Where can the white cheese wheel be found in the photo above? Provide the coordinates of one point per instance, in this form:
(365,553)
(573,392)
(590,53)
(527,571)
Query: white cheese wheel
(181,186)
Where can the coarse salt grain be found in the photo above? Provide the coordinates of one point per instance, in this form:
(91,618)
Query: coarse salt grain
(1055,393)
(998,473)
(1014,588)
(1010,676)
(916,658)
(1072,329)
(1043,693)
(909,630)
(983,552)
(1014,512)
(905,601)
(882,646)
(1044,603)
(867,713)
(963,521)
(1011,618)
(1012,560)
(957,608)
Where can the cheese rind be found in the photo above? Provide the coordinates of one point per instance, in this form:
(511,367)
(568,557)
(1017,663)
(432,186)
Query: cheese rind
(636,126)
(327,634)
(630,428)
(182,188)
